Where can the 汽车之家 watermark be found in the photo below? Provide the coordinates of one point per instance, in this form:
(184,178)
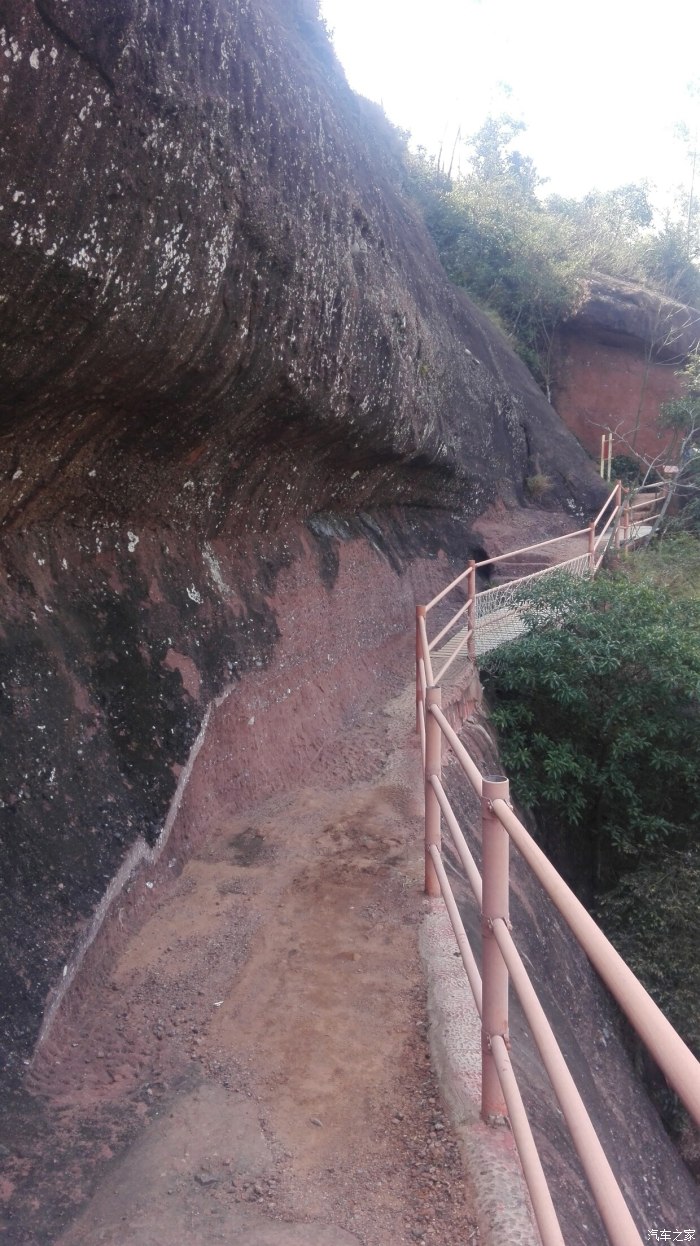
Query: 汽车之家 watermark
(670,1235)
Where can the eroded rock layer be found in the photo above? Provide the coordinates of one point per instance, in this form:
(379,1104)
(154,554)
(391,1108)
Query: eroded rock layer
(217,302)
(616,362)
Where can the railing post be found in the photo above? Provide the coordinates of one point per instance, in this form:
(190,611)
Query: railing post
(591,548)
(433,766)
(618,508)
(471,612)
(420,708)
(494,859)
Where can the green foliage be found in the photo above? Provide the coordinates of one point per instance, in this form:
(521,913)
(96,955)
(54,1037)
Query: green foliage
(536,486)
(673,253)
(653,918)
(598,707)
(525,258)
(606,228)
(667,265)
(682,415)
(630,471)
(671,565)
(497,240)
(688,520)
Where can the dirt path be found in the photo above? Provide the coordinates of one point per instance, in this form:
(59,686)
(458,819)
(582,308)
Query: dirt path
(255,1070)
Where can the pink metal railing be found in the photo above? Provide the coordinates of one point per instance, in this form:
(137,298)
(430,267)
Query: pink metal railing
(501,961)
(615,521)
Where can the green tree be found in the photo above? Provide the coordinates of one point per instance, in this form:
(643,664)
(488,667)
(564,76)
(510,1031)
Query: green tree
(598,706)
(497,240)
(670,254)
(607,228)
(667,263)
(671,565)
(653,917)
(682,417)
(525,259)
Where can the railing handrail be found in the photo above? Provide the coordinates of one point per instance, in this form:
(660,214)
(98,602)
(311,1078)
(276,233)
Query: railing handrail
(566,536)
(605,506)
(533,575)
(643,505)
(436,639)
(468,765)
(673,1056)
(601,1179)
(425,648)
(527,549)
(513,553)
(621,507)
(500,827)
(611,519)
(445,591)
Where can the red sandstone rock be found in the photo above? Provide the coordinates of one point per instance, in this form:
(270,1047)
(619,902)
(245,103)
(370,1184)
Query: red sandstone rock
(615,363)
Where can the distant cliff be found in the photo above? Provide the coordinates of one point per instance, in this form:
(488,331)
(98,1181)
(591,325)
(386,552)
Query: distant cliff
(615,361)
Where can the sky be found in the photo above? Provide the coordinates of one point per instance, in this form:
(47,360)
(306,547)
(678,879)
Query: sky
(600,86)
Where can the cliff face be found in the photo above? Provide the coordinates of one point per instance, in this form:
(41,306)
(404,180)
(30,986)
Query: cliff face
(615,363)
(213,285)
(235,381)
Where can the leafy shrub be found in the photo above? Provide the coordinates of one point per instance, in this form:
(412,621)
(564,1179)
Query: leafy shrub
(632,471)
(536,486)
(672,564)
(598,706)
(599,712)
(653,917)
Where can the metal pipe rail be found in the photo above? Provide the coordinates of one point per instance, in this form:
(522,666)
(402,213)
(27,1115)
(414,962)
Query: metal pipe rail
(464,642)
(468,959)
(501,963)
(614,1211)
(616,495)
(611,519)
(542,1205)
(461,846)
(468,765)
(613,504)
(613,501)
(533,575)
(425,649)
(674,1058)
(453,584)
(645,504)
(527,549)
(436,639)
(422,684)
(500,959)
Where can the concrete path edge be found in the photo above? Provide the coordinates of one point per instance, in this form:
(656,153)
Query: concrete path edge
(501,1203)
